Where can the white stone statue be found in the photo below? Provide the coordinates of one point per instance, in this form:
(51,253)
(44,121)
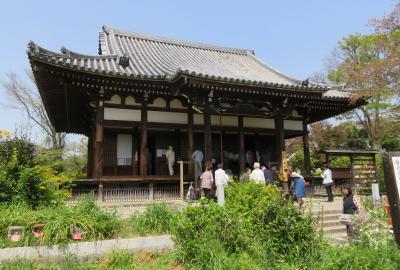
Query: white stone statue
(170,155)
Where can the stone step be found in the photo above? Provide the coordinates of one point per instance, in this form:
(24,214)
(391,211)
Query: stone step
(333,230)
(331,223)
(330,217)
(327,212)
(338,238)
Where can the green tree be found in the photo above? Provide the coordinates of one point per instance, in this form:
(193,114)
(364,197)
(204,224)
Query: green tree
(368,65)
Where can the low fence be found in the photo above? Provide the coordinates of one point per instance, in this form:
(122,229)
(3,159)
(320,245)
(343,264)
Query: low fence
(139,193)
(78,194)
(135,194)
(166,192)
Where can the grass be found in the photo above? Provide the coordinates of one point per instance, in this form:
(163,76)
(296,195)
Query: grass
(157,219)
(98,224)
(59,223)
(113,260)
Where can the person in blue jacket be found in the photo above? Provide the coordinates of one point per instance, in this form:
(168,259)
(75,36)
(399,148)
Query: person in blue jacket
(298,185)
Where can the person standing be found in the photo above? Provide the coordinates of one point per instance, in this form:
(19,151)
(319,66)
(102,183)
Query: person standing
(207,181)
(298,185)
(351,207)
(170,155)
(327,181)
(221,180)
(246,175)
(275,175)
(257,175)
(197,158)
(268,175)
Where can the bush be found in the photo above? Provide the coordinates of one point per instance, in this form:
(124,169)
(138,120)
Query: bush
(255,229)
(158,218)
(58,223)
(25,177)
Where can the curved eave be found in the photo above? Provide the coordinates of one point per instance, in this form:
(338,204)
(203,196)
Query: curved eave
(105,65)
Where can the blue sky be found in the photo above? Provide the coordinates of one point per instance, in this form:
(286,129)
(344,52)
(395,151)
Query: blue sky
(290,35)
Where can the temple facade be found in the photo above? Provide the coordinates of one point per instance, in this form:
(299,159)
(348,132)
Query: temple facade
(142,95)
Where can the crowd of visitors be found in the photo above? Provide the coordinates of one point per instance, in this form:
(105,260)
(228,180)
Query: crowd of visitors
(293,185)
(260,174)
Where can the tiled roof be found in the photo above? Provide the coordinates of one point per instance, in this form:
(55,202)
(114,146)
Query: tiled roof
(156,56)
(133,55)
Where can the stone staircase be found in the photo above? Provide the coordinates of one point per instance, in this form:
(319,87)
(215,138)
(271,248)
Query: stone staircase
(328,215)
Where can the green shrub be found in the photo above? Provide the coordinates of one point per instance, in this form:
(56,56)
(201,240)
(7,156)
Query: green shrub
(59,223)
(26,177)
(157,218)
(256,228)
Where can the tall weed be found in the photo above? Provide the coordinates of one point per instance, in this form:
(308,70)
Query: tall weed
(158,218)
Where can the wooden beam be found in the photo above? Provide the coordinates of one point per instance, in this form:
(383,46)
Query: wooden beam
(241,144)
(190,141)
(143,140)
(306,149)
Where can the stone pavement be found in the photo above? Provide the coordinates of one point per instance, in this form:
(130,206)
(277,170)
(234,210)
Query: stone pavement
(125,210)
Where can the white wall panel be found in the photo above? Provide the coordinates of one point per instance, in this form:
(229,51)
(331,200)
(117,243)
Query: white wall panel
(253,122)
(129,100)
(198,119)
(115,99)
(293,125)
(227,121)
(167,117)
(121,114)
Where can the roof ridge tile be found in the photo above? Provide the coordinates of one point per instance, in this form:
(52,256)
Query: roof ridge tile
(114,31)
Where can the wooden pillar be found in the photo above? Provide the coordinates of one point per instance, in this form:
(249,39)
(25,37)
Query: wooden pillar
(190,141)
(98,144)
(306,149)
(143,140)
(89,167)
(241,144)
(279,137)
(207,135)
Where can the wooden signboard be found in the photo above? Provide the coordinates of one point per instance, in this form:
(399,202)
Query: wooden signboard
(391,163)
